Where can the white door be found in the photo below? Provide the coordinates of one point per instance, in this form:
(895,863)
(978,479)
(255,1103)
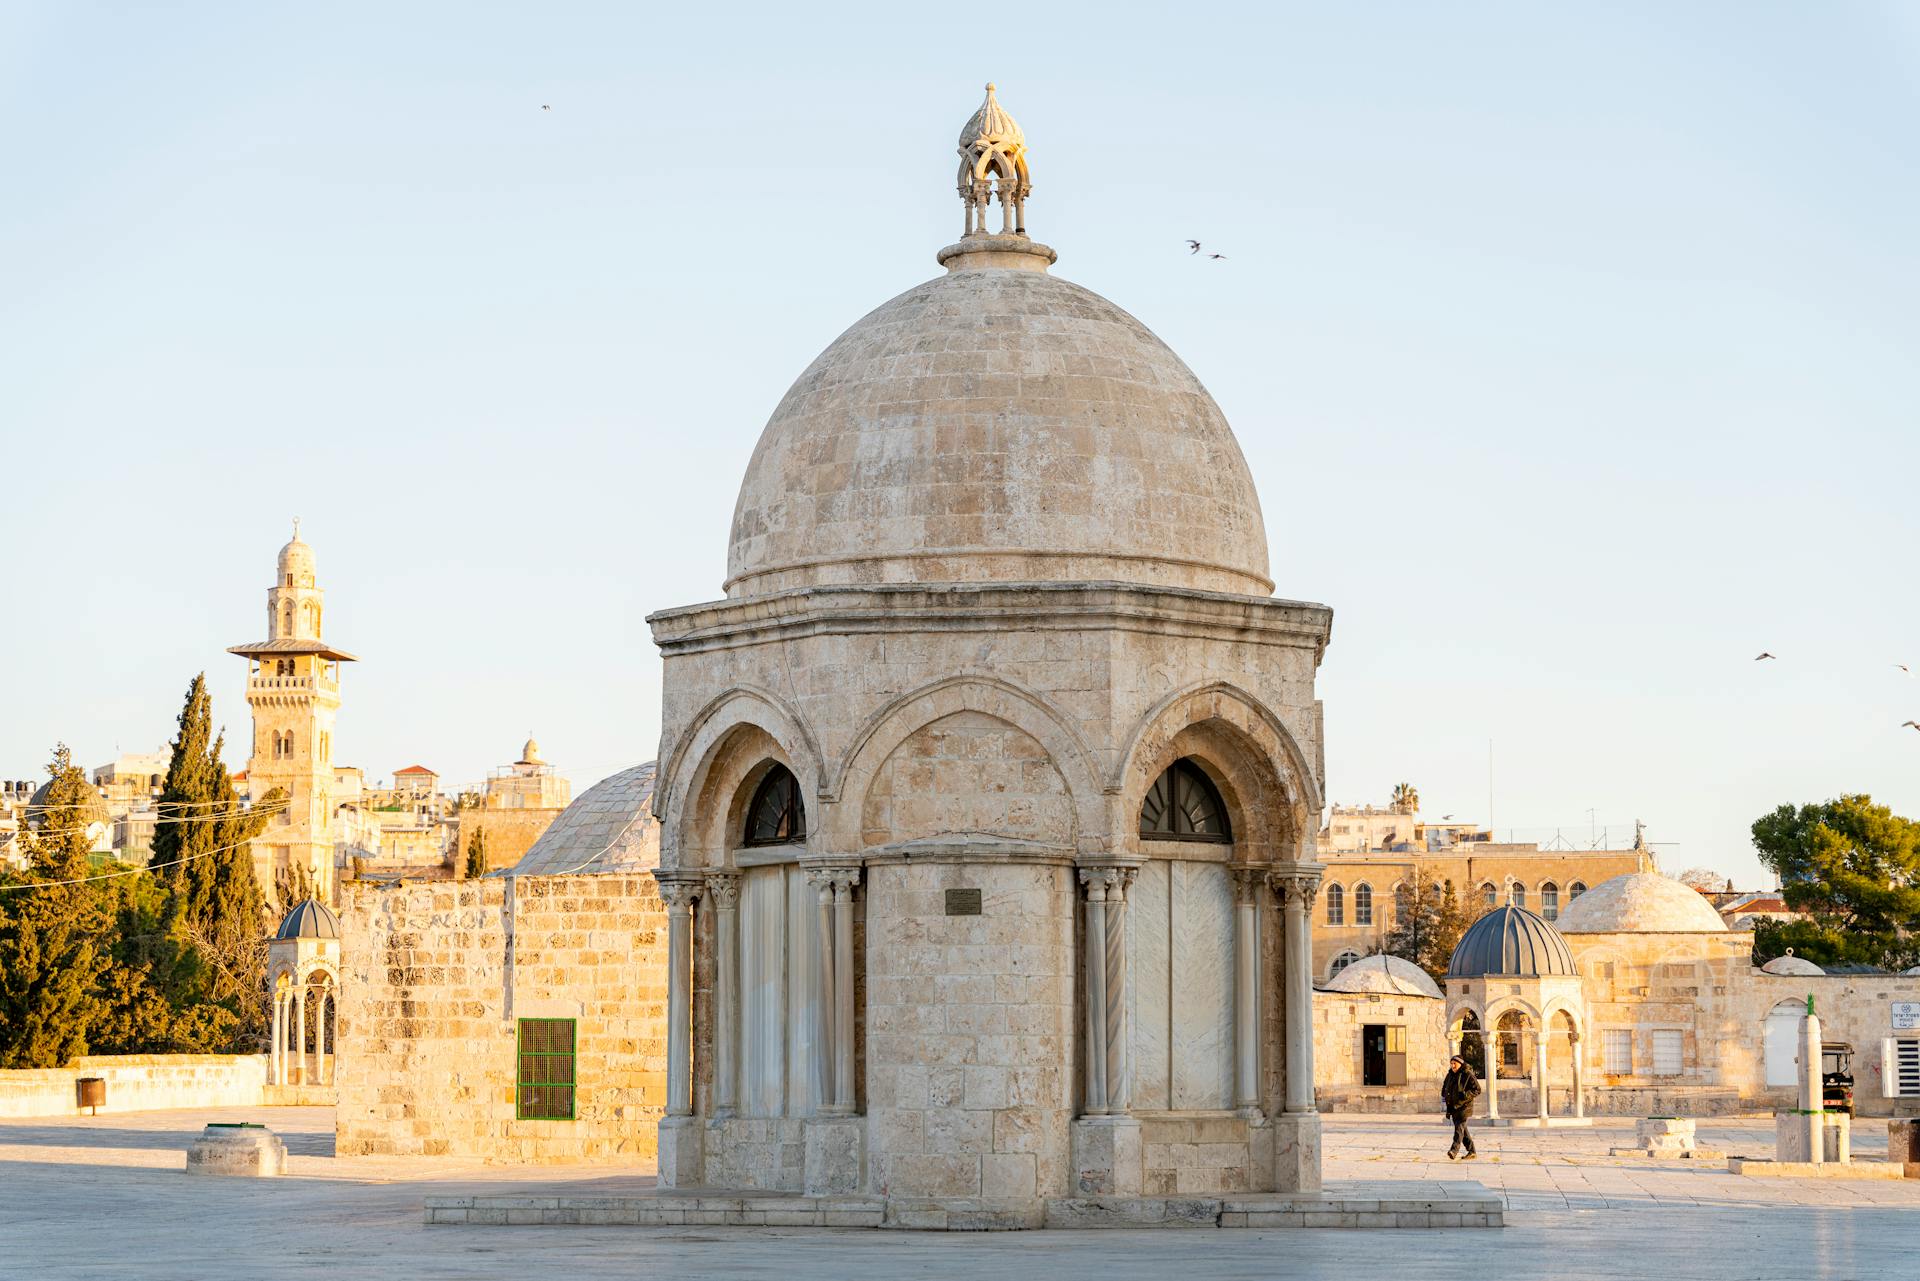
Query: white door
(1783,1043)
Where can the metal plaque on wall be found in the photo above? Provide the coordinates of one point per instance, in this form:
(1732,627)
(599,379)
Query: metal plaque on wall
(963,902)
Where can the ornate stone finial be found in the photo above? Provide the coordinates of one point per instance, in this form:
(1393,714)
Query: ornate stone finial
(993,162)
(296,529)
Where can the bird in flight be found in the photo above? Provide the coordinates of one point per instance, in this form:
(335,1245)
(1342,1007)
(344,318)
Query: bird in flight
(1761,655)
(1903,667)
(546,106)
(1913,724)
(1222,256)
(1445,817)
(1193,246)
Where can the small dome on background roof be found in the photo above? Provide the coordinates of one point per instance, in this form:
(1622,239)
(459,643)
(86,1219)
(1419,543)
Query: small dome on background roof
(530,754)
(610,827)
(1386,975)
(94,810)
(1644,902)
(991,122)
(1793,965)
(1511,942)
(310,919)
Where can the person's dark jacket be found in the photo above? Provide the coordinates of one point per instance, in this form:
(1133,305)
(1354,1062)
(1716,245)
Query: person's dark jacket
(1459,1089)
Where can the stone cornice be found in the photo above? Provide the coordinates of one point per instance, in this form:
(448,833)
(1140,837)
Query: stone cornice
(811,611)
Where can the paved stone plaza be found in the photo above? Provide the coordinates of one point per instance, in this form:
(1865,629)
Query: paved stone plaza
(108,1197)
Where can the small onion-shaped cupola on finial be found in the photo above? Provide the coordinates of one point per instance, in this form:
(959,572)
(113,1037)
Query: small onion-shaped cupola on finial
(993,164)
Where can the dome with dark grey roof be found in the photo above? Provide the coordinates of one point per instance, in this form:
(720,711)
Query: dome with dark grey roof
(1511,942)
(310,919)
(610,828)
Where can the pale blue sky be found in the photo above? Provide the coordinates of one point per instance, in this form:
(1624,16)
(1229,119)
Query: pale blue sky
(1573,350)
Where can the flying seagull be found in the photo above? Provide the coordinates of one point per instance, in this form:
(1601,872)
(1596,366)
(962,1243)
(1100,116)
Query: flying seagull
(1761,655)
(546,106)
(1914,724)
(1445,817)
(1903,667)
(1216,255)
(1194,246)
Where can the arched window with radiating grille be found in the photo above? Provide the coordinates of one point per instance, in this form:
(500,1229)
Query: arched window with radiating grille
(1336,904)
(1341,962)
(1184,805)
(776,815)
(1363,904)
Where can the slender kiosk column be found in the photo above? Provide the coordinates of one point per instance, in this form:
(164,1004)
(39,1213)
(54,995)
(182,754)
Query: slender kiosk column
(1097,880)
(322,1070)
(300,1034)
(1490,1042)
(679,896)
(1246,993)
(277,1064)
(1579,1076)
(1297,891)
(723,895)
(844,880)
(1540,1070)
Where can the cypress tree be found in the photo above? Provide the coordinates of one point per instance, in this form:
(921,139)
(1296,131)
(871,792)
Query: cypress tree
(52,932)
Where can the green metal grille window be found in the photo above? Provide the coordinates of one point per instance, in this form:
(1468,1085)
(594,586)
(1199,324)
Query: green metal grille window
(544,1084)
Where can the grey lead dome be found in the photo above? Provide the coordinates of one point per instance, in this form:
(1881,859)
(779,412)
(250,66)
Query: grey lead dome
(1511,942)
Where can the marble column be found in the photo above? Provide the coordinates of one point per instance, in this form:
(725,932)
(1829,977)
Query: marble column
(1246,992)
(1097,880)
(1118,1078)
(843,1082)
(820,1061)
(1540,1071)
(300,1034)
(1579,1077)
(1296,1138)
(1490,1043)
(723,896)
(679,896)
(277,1062)
(322,1070)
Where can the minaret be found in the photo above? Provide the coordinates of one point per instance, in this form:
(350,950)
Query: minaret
(293,686)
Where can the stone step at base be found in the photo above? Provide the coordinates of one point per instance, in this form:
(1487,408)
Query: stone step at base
(1760,1168)
(1671,1154)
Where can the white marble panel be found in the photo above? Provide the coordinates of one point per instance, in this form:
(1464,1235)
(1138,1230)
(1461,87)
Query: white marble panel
(763,919)
(1148,922)
(805,1090)
(1202,968)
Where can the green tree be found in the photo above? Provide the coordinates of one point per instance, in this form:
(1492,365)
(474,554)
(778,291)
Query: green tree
(52,930)
(1854,868)
(1406,797)
(1428,928)
(156,994)
(477,854)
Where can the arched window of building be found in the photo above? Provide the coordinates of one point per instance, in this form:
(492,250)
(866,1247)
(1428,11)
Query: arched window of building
(776,815)
(1550,900)
(1341,962)
(1490,895)
(1402,901)
(288,615)
(1363,904)
(1517,894)
(1336,904)
(1575,890)
(1184,805)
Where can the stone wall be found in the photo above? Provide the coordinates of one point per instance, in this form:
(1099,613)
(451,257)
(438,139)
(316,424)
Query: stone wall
(969,1031)
(1338,1054)
(138,1082)
(433,979)
(510,833)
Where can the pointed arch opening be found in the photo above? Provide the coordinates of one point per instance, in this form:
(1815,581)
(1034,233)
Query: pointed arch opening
(776,815)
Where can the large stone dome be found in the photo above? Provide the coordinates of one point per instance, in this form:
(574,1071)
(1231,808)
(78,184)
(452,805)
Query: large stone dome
(998,424)
(1640,901)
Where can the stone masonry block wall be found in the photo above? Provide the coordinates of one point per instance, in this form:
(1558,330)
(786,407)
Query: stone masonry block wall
(139,1081)
(1339,1020)
(969,1031)
(1194,1155)
(968,773)
(434,978)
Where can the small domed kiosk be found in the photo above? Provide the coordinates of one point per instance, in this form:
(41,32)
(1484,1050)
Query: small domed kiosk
(1515,1009)
(303,975)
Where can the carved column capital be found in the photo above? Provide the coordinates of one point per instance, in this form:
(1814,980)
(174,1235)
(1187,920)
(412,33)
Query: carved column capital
(679,890)
(1246,881)
(1295,883)
(723,890)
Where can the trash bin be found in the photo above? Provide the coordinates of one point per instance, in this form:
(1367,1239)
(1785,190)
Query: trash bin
(91,1092)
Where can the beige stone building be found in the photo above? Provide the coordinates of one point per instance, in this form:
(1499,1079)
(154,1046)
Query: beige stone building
(293,688)
(517,804)
(1375,855)
(986,792)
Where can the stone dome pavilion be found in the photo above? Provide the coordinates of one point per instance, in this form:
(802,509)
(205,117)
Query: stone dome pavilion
(997,752)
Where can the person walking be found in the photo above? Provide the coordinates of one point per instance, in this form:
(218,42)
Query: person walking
(1457,1093)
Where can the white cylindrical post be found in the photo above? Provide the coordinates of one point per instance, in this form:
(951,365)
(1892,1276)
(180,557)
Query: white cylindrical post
(1095,879)
(1490,1043)
(821,1059)
(679,897)
(300,1034)
(1246,992)
(322,1070)
(1540,1070)
(723,893)
(843,1083)
(1579,1075)
(275,1047)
